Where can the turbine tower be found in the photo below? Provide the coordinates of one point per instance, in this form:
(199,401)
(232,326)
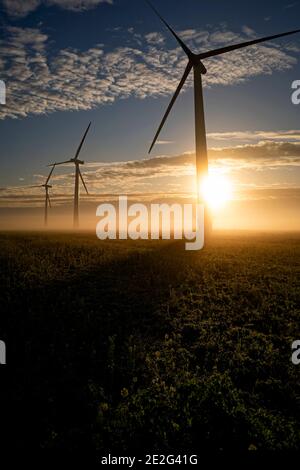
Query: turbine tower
(195,63)
(78,175)
(47,197)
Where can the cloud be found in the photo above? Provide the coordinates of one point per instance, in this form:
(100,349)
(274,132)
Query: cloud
(163,142)
(248,136)
(291,5)
(258,156)
(21,8)
(252,166)
(39,82)
(155,38)
(248,31)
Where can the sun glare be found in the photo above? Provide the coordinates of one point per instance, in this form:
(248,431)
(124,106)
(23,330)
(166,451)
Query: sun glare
(216,191)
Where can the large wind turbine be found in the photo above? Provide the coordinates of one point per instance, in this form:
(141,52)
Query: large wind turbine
(47,197)
(78,175)
(195,63)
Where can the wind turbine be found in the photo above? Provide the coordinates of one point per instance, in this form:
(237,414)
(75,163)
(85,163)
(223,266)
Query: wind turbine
(195,63)
(47,197)
(78,175)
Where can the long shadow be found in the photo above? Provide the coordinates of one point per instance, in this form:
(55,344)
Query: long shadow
(76,341)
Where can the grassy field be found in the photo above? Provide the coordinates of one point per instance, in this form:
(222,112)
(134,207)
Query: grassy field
(114,345)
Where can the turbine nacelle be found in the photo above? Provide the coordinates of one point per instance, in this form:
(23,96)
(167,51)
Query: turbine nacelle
(76,161)
(197,63)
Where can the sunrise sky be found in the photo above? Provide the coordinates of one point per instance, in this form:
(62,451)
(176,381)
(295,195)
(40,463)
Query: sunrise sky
(68,62)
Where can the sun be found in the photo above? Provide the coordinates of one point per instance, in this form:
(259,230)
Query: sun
(216,190)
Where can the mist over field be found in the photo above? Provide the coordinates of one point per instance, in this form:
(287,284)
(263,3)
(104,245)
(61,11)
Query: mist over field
(263,210)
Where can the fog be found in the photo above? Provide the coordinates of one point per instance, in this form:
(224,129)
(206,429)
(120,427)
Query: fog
(262,213)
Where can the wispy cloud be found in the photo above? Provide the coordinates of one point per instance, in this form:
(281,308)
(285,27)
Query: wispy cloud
(21,8)
(248,31)
(174,174)
(163,142)
(250,136)
(39,82)
(155,38)
(291,5)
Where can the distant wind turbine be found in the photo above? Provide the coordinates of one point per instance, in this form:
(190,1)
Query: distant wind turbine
(195,63)
(47,197)
(78,175)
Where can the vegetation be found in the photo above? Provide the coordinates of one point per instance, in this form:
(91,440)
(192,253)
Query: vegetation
(119,344)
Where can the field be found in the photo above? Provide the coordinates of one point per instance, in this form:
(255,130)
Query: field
(115,345)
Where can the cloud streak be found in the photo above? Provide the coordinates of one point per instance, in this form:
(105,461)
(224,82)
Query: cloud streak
(251,136)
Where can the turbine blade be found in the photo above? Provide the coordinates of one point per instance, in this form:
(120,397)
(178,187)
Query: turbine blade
(49,202)
(181,43)
(31,187)
(61,163)
(47,180)
(182,81)
(222,50)
(82,140)
(81,177)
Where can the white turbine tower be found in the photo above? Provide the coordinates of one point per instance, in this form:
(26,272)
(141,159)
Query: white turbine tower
(195,63)
(46,186)
(78,175)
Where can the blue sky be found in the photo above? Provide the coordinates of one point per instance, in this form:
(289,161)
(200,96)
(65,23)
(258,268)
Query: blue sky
(118,65)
